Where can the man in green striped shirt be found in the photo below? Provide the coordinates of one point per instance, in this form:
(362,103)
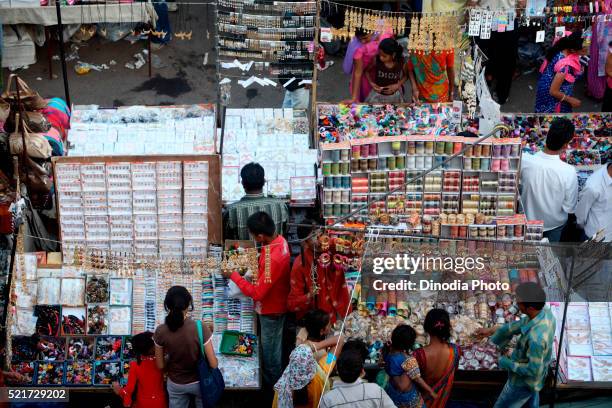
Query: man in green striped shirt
(533,353)
(236,214)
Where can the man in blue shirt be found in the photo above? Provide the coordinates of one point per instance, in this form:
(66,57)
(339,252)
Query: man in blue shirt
(528,365)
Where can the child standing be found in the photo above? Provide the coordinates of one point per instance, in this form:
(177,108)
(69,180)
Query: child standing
(403,371)
(143,375)
(387,73)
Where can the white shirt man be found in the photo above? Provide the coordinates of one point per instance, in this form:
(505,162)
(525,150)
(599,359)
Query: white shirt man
(358,394)
(549,190)
(594,210)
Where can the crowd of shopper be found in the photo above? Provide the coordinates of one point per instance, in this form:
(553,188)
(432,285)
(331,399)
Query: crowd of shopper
(326,370)
(549,190)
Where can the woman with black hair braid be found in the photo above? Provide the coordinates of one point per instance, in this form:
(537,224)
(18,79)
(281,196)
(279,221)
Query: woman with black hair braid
(177,349)
(439,360)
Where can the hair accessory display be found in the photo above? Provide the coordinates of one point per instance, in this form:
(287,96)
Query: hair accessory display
(25,368)
(97,290)
(79,373)
(97,319)
(48,320)
(23,348)
(73,320)
(108,348)
(106,373)
(80,348)
(50,373)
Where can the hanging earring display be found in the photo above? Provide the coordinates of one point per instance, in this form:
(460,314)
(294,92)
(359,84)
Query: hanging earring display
(370,21)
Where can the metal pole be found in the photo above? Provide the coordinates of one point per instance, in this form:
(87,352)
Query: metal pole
(314,139)
(60,37)
(567,299)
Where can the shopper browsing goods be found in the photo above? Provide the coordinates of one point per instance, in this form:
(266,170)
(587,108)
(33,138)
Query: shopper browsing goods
(177,349)
(533,353)
(550,186)
(405,383)
(145,375)
(439,360)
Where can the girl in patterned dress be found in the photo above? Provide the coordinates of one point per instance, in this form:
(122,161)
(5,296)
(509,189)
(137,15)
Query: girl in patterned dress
(403,371)
(559,72)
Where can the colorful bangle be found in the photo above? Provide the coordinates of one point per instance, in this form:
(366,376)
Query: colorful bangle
(324,260)
(324,242)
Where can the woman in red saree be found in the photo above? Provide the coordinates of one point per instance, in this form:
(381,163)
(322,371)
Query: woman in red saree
(439,360)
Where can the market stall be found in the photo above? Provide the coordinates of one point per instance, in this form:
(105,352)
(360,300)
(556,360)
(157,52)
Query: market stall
(72,323)
(590,148)
(376,166)
(131,226)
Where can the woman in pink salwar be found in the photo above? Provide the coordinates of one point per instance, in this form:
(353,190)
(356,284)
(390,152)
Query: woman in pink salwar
(359,86)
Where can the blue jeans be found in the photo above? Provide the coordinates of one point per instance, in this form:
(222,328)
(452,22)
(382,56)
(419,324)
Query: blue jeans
(297,99)
(163,23)
(554,235)
(517,397)
(271,347)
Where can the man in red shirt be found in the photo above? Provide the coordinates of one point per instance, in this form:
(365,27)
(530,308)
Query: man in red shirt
(269,292)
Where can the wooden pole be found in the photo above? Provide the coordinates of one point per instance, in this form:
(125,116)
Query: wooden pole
(315,76)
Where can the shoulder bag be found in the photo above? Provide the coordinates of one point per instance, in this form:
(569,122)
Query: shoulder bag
(37,145)
(211,379)
(30,98)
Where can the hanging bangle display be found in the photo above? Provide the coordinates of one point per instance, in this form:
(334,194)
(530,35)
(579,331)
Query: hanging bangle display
(324,242)
(324,260)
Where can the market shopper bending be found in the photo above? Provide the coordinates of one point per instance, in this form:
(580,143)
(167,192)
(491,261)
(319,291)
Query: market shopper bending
(549,185)
(594,210)
(236,214)
(533,353)
(269,292)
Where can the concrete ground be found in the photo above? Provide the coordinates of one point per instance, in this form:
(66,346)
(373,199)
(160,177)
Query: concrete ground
(185,79)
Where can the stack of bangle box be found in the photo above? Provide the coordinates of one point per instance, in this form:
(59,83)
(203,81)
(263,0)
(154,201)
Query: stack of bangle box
(381,175)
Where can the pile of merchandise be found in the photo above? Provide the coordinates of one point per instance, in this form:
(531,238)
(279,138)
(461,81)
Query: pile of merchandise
(139,130)
(41,125)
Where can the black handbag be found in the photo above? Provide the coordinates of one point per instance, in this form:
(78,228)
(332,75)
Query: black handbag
(211,379)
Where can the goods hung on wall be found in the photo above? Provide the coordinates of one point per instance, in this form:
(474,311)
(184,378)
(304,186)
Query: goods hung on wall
(160,206)
(267,40)
(369,21)
(277,139)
